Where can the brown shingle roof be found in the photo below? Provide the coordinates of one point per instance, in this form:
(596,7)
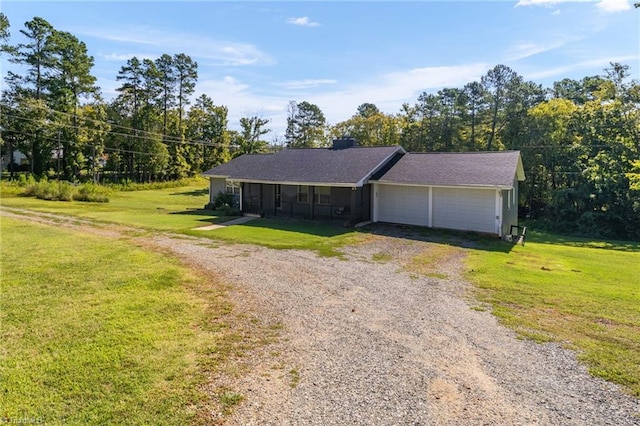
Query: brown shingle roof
(350,166)
(495,169)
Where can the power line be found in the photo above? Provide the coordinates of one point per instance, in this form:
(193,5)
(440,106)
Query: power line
(88,144)
(164,138)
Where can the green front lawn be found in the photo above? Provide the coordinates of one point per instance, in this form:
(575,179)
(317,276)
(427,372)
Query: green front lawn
(585,294)
(170,209)
(326,239)
(98,331)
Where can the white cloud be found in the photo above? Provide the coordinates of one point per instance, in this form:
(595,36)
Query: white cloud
(604,5)
(547,2)
(600,63)
(123,57)
(613,5)
(304,84)
(219,52)
(525,49)
(389,91)
(303,21)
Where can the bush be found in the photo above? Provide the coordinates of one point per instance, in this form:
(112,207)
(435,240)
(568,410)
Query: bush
(228,210)
(92,193)
(65,191)
(46,190)
(223,199)
(128,185)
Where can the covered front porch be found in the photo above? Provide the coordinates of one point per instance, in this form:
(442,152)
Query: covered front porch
(347,204)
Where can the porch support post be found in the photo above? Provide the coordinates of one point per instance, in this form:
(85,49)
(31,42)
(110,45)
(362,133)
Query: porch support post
(312,190)
(260,199)
(354,204)
(374,195)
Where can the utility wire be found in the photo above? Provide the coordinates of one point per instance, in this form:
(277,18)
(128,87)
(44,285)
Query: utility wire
(88,145)
(141,133)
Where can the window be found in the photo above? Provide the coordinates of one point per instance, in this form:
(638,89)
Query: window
(322,195)
(303,194)
(233,188)
(278,196)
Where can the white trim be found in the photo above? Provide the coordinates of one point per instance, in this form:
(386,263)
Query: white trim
(240,198)
(274,182)
(498,228)
(467,186)
(380,165)
(430,209)
(374,188)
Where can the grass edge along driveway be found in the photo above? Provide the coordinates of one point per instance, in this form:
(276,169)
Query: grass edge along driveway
(584,294)
(97,331)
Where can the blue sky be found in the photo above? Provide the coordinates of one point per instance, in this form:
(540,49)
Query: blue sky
(254,57)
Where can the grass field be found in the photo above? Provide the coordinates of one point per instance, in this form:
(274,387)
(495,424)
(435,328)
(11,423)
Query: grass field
(585,294)
(325,239)
(98,331)
(180,210)
(170,209)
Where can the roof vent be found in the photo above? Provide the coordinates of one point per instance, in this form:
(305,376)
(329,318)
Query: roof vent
(344,143)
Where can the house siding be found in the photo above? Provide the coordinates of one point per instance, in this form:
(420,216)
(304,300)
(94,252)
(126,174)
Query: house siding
(216,186)
(509,208)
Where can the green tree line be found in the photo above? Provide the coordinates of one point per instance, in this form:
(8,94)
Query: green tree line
(579,139)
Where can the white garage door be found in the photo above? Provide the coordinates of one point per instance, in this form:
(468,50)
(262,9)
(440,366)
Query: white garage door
(403,204)
(466,209)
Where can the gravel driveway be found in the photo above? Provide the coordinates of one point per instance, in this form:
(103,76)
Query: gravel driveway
(366,342)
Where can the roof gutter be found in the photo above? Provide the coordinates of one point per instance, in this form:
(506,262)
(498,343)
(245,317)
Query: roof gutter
(275,182)
(468,186)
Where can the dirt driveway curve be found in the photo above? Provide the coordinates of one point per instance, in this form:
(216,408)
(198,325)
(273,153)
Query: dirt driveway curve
(366,342)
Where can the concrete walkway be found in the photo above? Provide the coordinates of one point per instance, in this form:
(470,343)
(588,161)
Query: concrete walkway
(238,221)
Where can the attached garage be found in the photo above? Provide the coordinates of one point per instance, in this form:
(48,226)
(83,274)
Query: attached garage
(465,209)
(403,204)
(464,191)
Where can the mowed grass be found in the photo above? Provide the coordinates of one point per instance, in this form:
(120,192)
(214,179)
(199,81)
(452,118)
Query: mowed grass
(323,238)
(97,331)
(170,209)
(585,294)
(581,293)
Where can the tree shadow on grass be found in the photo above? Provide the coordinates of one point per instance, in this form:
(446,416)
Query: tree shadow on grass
(195,193)
(573,241)
(208,216)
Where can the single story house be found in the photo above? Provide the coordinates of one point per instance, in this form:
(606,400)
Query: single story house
(467,191)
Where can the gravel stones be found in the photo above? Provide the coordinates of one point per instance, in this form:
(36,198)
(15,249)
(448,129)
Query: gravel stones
(373,344)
